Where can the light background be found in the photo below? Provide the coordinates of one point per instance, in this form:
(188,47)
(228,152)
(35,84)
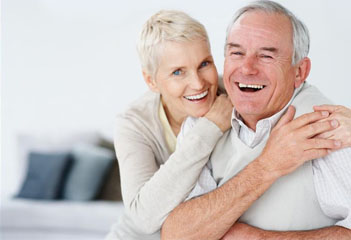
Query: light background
(71,65)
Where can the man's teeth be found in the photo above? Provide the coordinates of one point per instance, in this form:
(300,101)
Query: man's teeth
(241,85)
(196,97)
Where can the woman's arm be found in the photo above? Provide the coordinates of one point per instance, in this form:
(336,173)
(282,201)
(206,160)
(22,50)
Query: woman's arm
(150,192)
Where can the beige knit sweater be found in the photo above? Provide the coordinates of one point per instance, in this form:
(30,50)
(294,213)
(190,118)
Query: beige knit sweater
(153,180)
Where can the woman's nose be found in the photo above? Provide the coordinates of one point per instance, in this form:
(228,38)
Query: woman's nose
(197,81)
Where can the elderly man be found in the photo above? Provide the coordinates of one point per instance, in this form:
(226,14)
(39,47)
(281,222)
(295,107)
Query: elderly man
(266,65)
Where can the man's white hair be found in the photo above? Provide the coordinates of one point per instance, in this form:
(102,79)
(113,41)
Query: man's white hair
(166,25)
(301,38)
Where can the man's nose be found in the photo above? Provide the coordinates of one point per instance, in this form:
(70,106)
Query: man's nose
(197,81)
(249,66)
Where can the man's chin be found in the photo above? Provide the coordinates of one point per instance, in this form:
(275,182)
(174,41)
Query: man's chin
(248,111)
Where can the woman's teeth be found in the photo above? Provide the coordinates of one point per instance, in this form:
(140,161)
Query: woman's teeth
(197,97)
(241,85)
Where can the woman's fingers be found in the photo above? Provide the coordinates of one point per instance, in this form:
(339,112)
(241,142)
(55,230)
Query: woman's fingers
(327,135)
(307,118)
(319,143)
(316,128)
(220,112)
(326,107)
(342,115)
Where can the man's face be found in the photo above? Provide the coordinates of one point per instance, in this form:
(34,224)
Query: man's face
(258,72)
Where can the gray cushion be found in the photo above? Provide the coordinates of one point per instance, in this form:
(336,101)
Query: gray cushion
(89,168)
(44,175)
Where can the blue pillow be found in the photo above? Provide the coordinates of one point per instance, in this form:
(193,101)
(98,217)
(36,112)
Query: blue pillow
(44,175)
(89,169)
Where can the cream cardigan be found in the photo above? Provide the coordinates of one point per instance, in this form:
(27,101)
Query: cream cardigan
(153,180)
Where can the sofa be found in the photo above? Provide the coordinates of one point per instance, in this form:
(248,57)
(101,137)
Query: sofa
(47,208)
(57,220)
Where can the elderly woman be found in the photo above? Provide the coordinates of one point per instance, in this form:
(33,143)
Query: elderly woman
(178,67)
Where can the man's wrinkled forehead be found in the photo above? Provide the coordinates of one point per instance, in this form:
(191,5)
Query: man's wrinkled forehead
(263,26)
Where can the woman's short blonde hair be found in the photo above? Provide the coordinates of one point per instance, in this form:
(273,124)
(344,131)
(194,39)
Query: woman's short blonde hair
(166,25)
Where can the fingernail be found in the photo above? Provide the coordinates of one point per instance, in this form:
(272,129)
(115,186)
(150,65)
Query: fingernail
(325,113)
(337,143)
(334,123)
(329,151)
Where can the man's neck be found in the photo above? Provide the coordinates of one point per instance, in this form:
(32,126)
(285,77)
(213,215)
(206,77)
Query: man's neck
(250,123)
(251,120)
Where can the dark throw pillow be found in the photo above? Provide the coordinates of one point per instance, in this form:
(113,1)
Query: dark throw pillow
(45,175)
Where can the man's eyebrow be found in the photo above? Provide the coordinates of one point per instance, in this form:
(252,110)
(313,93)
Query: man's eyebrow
(231,45)
(269,49)
(236,45)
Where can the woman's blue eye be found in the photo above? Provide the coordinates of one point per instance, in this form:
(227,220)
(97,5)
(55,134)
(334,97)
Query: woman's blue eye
(204,64)
(177,72)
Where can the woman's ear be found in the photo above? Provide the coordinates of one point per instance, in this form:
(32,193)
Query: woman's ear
(302,71)
(150,81)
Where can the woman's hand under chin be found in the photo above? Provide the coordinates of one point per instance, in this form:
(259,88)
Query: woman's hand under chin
(220,112)
(342,115)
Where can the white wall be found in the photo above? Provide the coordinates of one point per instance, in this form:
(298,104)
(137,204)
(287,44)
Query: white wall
(71,65)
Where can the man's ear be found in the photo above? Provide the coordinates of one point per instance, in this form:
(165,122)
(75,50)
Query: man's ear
(150,81)
(302,71)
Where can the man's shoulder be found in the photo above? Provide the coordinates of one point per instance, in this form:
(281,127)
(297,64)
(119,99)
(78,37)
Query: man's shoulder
(308,97)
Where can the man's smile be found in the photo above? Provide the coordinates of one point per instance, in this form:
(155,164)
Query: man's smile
(250,87)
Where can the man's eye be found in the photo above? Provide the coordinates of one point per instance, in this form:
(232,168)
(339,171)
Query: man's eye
(177,72)
(266,56)
(236,53)
(204,64)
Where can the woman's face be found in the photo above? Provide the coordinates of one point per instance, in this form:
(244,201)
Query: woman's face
(186,78)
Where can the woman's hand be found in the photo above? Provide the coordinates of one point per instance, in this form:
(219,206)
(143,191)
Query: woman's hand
(343,117)
(220,112)
(292,142)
